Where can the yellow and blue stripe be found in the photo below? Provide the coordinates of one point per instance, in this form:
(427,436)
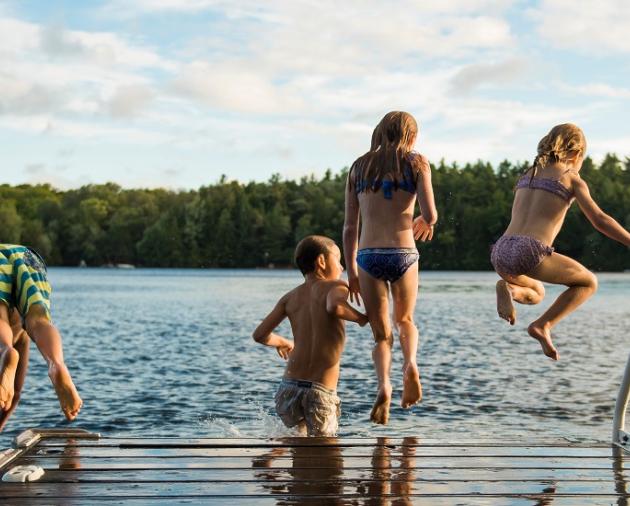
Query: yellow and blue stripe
(23,281)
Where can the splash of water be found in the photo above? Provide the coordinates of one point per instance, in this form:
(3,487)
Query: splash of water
(261,425)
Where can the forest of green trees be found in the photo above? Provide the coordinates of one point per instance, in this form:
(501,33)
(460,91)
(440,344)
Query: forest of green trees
(234,224)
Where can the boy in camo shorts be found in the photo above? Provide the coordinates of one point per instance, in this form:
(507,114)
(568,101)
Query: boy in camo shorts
(317,311)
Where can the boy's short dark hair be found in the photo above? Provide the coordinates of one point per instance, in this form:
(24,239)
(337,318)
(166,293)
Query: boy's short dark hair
(309,248)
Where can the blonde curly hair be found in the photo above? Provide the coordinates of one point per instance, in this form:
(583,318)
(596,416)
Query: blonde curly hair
(562,143)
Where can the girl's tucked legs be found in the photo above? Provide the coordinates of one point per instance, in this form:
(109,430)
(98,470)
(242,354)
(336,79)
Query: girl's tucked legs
(375,296)
(404,295)
(582,284)
(521,289)
(9,359)
(48,341)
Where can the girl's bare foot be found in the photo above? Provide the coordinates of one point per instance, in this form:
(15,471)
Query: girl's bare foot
(66,391)
(8,364)
(380,409)
(412,389)
(542,333)
(505,306)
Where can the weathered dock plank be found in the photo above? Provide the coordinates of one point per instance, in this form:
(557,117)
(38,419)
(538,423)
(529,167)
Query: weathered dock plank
(297,442)
(317,471)
(338,452)
(315,486)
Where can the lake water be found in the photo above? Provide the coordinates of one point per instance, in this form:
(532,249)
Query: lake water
(168,352)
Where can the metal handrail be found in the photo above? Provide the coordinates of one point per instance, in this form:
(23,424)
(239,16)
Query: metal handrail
(620,436)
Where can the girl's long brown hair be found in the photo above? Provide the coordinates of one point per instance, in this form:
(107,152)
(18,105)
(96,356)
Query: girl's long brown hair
(392,140)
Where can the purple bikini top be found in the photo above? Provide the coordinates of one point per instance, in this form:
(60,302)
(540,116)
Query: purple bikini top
(545,183)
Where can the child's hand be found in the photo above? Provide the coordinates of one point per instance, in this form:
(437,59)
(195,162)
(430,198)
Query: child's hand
(285,349)
(363,320)
(353,286)
(422,231)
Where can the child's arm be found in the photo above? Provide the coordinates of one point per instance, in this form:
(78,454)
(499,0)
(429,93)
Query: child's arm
(423,224)
(351,240)
(337,305)
(598,218)
(21,345)
(264,332)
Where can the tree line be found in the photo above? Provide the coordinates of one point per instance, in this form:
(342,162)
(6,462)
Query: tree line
(257,224)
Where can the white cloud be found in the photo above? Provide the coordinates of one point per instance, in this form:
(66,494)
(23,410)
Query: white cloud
(596,90)
(229,87)
(592,27)
(130,100)
(478,75)
(53,76)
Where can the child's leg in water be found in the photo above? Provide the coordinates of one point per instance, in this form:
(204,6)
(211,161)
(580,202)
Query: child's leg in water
(375,296)
(9,359)
(48,341)
(521,289)
(404,295)
(581,283)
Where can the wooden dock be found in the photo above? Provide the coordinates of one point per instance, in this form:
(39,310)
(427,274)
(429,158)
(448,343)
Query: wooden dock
(83,468)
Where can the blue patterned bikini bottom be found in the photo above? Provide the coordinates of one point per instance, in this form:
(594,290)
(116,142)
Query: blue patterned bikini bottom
(388,264)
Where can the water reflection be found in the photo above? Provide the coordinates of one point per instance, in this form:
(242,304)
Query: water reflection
(385,473)
(313,470)
(319,471)
(392,475)
(71,457)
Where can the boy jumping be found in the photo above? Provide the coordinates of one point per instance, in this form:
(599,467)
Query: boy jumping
(316,309)
(24,286)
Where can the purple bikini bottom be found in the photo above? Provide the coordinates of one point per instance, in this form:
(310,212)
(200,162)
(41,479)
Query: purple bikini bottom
(518,254)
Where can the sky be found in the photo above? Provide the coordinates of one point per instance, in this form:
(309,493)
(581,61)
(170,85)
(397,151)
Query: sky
(175,93)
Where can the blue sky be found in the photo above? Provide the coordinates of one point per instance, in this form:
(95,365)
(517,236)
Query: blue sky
(174,93)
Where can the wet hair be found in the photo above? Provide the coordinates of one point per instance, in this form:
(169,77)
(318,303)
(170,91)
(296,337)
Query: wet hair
(559,145)
(392,140)
(309,248)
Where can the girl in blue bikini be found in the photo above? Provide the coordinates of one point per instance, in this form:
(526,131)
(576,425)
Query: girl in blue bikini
(381,192)
(524,257)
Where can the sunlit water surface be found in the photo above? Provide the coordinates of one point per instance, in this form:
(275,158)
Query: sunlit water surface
(168,352)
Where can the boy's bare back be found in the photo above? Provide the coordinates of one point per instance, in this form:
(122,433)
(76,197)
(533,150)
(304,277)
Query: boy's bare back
(316,309)
(318,335)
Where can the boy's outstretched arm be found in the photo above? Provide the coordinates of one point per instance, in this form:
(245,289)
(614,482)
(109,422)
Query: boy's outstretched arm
(264,332)
(337,305)
(598,218)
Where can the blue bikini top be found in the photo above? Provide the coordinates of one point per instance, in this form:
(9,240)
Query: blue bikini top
(407,184)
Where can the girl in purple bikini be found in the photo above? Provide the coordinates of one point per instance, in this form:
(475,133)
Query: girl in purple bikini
(381,193)
(524,257)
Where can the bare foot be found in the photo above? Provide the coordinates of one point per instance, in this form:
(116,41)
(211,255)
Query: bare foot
(66,392)
(542,333)
(505,306)
(380,409)
(8,364)
(412,389)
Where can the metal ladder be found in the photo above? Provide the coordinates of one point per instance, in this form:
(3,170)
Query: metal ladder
(620,436)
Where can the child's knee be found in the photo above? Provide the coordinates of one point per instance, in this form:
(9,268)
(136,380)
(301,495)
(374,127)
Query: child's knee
(386,338)
(536,295)
(587,281)
(591,282)
(404,320)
